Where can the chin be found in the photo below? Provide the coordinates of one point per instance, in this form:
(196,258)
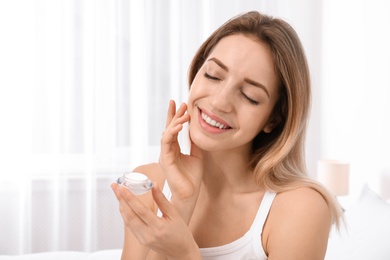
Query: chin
(199,140)
(203,142)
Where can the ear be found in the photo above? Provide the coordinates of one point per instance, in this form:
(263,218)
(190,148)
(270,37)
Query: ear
(271,124)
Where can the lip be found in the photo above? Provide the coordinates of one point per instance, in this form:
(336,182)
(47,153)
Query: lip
(209,128)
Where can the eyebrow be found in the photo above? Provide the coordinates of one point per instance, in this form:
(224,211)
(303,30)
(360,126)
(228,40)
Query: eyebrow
(247,80)
(223,66)
(256,84)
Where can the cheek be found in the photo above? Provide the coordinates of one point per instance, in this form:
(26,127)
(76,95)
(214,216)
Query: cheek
(253,123)
(195,93)
(190,102)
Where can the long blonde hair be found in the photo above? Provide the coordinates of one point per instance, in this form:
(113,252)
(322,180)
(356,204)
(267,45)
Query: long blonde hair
(278,158)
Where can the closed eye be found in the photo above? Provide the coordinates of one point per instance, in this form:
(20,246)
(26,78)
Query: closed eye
(254,102)
(210,77)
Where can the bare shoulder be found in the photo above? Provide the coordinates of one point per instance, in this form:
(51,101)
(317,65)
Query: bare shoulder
(301,198)
(298,225)
(153,171)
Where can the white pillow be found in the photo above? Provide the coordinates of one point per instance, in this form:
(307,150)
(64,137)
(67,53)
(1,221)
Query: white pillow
(367,231)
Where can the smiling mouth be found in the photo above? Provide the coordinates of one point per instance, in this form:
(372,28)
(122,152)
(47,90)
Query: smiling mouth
(212,122)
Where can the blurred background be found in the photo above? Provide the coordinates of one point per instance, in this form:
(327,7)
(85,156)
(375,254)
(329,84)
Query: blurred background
(85,84)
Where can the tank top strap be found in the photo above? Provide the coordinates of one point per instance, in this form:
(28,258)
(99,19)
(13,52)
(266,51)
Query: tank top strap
(258,224)
(262,213)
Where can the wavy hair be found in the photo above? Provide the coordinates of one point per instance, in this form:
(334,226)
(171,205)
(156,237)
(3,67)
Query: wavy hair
(278,158)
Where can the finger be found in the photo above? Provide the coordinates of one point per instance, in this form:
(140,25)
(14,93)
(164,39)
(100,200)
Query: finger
(171,133)
(181,114)
(171,112)
(177,117)
(126,211)
(182,109)
(114,188)
(176,120)
(119,193)
(130,218)
(142,212)
(162,202)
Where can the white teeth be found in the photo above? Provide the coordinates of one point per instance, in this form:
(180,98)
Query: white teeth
(212,122)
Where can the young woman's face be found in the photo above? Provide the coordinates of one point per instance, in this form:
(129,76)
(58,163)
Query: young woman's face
(233,95)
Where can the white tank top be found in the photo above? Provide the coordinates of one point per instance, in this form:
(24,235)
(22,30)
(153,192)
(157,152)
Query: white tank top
(247,247)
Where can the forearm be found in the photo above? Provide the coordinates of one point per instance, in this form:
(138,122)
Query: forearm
(185,207)
(155,256)
(193,254)
(132,249)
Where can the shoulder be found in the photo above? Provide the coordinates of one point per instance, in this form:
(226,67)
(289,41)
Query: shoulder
(153,171)
(299,223)
(300,198)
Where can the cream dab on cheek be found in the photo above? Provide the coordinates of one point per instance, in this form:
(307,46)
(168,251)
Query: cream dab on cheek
(135,182)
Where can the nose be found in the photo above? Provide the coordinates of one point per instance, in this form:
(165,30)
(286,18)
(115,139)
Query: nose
(222,99)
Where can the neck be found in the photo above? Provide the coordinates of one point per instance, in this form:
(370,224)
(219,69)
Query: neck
(228,171)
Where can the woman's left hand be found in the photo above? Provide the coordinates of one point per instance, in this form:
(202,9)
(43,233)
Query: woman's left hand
(168,235)
(184,172)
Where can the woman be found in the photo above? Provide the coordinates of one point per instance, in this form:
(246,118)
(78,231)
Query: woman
(242,192)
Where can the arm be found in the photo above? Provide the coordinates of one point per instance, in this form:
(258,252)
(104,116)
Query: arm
(184,175)
(183,172)
(298,226)
(132,248)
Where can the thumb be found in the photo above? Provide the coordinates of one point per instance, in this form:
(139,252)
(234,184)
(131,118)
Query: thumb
(162,202)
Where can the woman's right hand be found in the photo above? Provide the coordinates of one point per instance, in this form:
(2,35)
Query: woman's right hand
(167,236)
(183,172)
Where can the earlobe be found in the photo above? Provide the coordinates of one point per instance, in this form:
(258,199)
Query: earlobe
(271,125)
(268,128)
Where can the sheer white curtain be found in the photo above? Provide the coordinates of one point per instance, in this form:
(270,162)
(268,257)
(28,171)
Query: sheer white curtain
(84,89)
(355,114)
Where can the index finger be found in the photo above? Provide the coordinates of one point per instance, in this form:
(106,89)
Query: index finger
(140,209)
(171,112)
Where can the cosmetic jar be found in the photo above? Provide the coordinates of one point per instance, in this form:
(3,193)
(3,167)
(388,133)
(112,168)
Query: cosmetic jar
(135,182)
